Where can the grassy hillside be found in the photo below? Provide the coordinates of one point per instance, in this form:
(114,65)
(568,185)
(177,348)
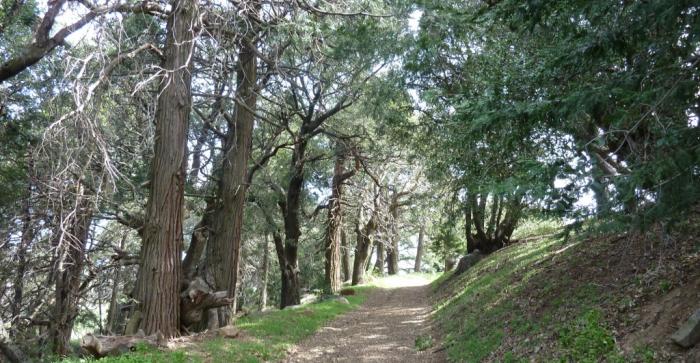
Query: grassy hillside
(614,298)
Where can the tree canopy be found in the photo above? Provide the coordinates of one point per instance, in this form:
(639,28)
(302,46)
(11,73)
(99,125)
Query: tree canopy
(160,159)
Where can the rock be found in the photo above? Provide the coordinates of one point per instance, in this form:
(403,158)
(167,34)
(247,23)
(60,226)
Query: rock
(342,300)
(101,346)
(466,262)
(229,331)
(337,298)
(689,333)
(449,263)
(347,292)
(308,298)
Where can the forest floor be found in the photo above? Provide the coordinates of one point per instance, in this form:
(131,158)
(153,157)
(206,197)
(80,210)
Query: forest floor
(391,326)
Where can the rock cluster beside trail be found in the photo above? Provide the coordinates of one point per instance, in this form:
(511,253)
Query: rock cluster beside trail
(469,260)
(689,333)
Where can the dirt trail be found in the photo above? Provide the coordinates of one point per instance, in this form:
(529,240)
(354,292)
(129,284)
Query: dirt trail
(383,329)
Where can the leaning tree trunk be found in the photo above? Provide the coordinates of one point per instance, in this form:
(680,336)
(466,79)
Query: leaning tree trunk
(419,249)
(113,313)
(345,256)
(380,261)
(69,267)
(224,245)
(158,283)
(392,252)
(335,222)
(264,273)
(193,261)
(24,244)
(362,251)
(364,245)
(287,253)
(392,256)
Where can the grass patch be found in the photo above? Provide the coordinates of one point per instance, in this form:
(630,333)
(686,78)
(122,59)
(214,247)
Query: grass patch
(537,227)
(423,342)
(587,339)
(505,300)
(267,337)
(475,317)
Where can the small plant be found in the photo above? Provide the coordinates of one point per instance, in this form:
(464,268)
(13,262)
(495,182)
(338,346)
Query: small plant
(424,342)
(665,286)
(588,340)
(644,354)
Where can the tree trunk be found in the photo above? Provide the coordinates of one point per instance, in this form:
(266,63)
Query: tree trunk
(392,256)
(224,245)
(362,249)
(158,283)
(335,222)
(361,255)
(25,242)
(392,252)
(380,262)
(69,267)
(290,291)
(419,249)
(495,205)
(291,288)
(264,273)
(468,221)
(368,262)
(291,207)
(113,314)
(345,256)
(9,352)
(198,243)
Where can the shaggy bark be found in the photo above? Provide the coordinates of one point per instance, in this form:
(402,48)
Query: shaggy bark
(69,267)
(345,256)
(197,298)
(224,244)
(335,222)
(392,251)
(289,265)
(158,283)
(113,313)
(362,248)
(290,202)
(25,242)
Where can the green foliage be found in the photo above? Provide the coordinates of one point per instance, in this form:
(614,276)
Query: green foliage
(588,340)
(447,242)
(599,93)
(533,227)
(424,342)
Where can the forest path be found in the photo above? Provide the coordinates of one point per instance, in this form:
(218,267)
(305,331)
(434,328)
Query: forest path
(383,329)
